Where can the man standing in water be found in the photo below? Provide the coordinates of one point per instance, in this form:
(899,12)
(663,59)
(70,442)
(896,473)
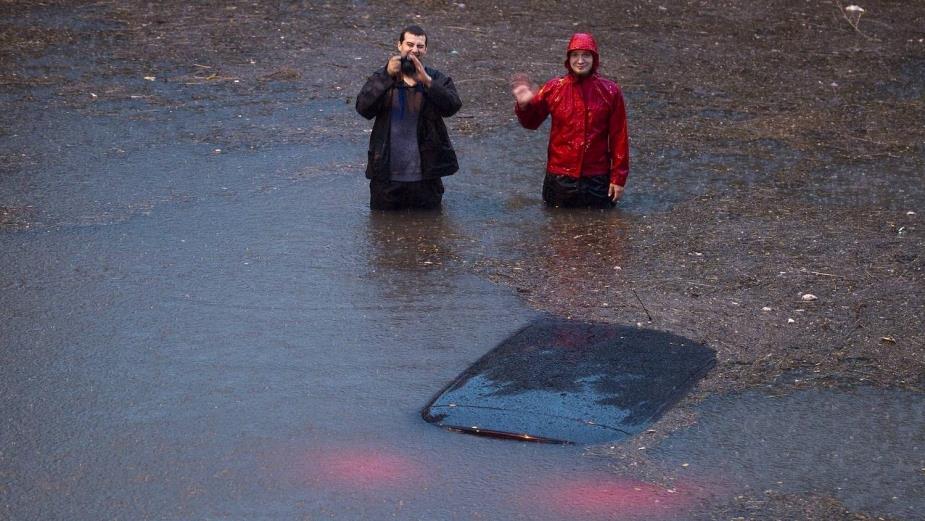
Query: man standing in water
(409,149)
(588,154)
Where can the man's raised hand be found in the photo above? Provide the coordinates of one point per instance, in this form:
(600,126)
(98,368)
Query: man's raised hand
(420,74)
(394,66)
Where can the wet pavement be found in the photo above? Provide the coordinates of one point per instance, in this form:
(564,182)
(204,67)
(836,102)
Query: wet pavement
(201,318)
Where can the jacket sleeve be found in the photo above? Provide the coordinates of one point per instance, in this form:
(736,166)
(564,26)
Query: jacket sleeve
(372,95)
(442,93)
(619,142)
(536,112)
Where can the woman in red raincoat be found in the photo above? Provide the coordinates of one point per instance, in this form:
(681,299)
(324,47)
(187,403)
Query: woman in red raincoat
(588,155)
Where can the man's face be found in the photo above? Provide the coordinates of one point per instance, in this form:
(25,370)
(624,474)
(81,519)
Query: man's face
(581,62)
(414,44)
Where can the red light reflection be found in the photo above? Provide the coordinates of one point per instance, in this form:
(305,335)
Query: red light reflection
(604,496)
(360,468)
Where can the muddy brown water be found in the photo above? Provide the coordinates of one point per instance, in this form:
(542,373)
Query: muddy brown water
(192,334)
(203,320)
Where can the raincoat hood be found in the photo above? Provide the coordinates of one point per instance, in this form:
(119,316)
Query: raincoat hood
(582,42)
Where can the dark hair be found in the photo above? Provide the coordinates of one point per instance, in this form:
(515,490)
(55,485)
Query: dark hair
(413,29)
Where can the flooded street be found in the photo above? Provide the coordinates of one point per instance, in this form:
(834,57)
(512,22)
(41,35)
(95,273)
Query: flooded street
(247,343)
(202,319)
(257,348)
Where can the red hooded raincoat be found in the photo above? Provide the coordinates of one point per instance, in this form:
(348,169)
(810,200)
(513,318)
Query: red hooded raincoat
(589,134)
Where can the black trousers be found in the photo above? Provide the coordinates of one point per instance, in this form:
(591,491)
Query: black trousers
(571,192)
(399,195)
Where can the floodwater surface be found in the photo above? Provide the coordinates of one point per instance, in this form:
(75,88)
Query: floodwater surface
(202,319)
(253,353)
(227,338)
(192,332)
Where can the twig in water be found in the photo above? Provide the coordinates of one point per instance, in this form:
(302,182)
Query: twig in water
(824,274)
(856,11)
(643,305)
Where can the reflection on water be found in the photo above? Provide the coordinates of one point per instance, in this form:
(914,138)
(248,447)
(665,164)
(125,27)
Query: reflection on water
(598,495)
(455,477)
(411,240)
(569,240)
(364,467)
(411,259)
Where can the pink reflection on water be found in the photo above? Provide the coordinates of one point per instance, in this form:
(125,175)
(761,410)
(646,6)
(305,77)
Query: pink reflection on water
(602,496)
(359,468)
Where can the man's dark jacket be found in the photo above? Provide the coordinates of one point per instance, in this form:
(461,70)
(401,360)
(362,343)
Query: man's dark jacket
(438,158)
